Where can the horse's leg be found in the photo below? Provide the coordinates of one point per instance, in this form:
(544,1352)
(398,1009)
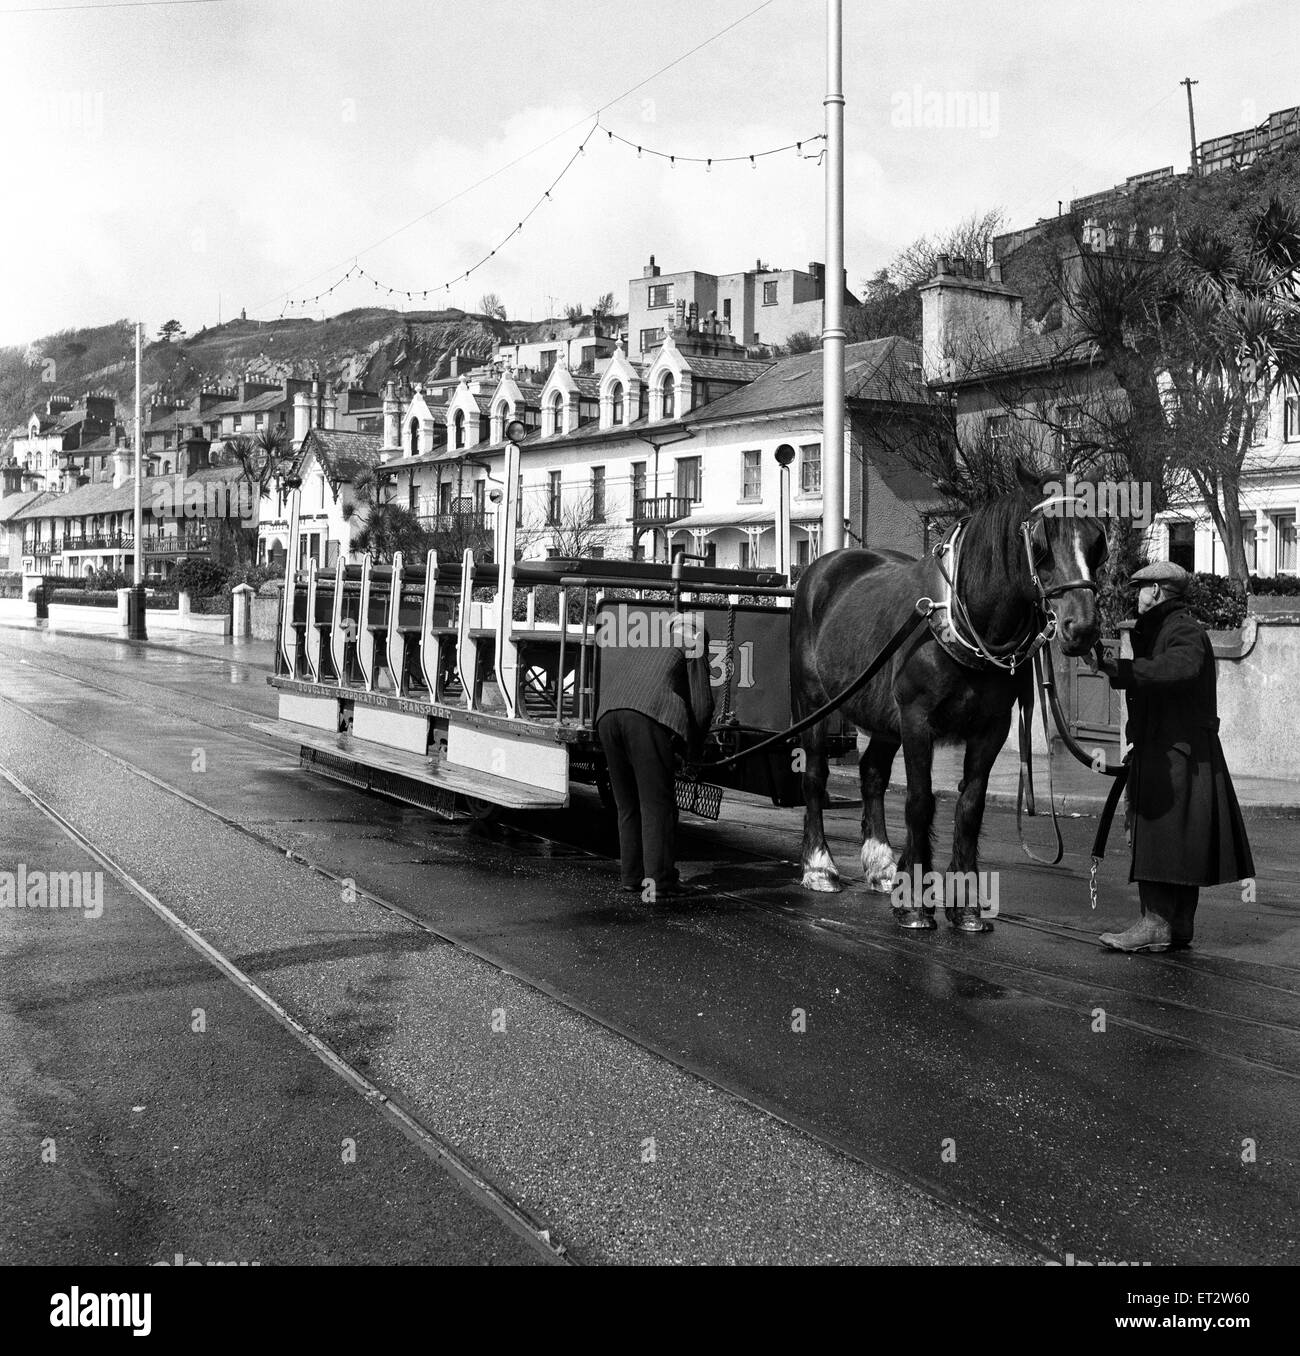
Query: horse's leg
(819,871)
(877,856)
(963,871)
(918,758)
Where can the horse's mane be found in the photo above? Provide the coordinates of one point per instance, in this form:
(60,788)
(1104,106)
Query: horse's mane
(992,533)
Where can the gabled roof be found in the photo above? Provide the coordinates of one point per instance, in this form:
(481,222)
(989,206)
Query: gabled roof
(270,400)
(1054,349)
(342,454)
(11,504)
(725,369)
(877,370)
(101,497)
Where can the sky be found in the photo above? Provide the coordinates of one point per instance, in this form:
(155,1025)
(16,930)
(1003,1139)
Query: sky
(192,160)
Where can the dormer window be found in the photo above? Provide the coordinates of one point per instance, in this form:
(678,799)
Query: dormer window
(557,413)
(415,438)
(668,393)
(499,421)
(618,403)
(458,429)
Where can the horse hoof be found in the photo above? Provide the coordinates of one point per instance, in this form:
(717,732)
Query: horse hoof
(970,921)
(881,885)
(823,882)
(915,919)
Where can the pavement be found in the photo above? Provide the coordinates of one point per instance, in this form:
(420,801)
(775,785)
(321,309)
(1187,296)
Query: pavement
(758,1075)
(1077,788)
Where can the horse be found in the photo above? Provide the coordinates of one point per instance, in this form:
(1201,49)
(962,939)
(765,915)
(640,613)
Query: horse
(956,680)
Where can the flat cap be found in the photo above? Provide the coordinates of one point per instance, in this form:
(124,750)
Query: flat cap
(1173,577)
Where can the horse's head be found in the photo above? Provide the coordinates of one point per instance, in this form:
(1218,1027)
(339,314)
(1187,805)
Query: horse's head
(1067,548)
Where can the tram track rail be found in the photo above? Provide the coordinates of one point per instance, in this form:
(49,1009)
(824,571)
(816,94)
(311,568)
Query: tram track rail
(790,912)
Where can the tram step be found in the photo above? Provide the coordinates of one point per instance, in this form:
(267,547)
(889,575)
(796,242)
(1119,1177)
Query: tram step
(370,766)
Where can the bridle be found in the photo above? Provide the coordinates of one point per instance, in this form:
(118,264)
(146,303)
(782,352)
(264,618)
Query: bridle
(958,634)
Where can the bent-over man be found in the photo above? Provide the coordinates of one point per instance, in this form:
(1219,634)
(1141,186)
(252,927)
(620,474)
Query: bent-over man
(655,703)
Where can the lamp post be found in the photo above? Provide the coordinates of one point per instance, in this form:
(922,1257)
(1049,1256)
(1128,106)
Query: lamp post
(135,624)
(833,326)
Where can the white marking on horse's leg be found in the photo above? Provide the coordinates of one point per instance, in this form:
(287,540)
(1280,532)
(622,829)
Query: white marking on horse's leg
(819,872)
(878,866)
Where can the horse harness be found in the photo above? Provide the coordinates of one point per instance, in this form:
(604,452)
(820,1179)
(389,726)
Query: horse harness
(956,634)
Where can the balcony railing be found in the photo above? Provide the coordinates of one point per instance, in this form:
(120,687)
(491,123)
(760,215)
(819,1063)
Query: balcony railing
(99,541)
(457,522)
(664,509)
(177,543)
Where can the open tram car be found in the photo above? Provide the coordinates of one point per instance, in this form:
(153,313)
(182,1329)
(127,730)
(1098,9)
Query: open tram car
(456,686)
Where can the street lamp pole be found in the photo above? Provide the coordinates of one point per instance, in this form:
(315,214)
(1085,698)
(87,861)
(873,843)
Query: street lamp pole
(833,335)
(135,626)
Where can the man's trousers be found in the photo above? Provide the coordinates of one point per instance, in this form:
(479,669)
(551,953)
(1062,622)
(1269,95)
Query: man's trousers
(639,755)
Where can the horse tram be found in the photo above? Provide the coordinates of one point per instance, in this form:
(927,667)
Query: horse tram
(466,688)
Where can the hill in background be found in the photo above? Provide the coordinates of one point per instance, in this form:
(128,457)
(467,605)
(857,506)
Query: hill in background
(366,346)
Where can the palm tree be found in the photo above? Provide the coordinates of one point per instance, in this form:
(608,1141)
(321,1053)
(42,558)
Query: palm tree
(386,528)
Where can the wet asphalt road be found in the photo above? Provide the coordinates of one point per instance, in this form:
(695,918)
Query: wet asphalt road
(1072,1100)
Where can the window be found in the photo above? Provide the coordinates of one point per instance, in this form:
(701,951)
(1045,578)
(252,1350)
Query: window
(1291,417)
(669,393)
(553,498)
(660,294)
(444,497)
(595,553)
(999,431)
(688,478)
(726,311)
(638,483)
(769,293)
(651,338)
(557,413)
(597,494)
(415,437)
(1182,545)
(801,552)
(745,556)
(810,469)
(617,397)
(752,476)
(1285,537)
(547,358)
(458,426)
(1069,420)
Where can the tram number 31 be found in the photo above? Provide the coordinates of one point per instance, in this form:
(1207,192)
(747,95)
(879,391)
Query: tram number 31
(744,663)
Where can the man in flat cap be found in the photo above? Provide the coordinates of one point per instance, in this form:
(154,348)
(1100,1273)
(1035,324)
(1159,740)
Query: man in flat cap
(1183,816)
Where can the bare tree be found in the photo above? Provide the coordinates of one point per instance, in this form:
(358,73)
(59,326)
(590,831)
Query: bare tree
(491,305)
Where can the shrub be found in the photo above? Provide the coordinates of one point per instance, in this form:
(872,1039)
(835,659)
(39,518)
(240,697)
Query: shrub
(107,579)
(1217,601)
(1280,584)
(84,597)
(199,578)
(211,607)
(255,575)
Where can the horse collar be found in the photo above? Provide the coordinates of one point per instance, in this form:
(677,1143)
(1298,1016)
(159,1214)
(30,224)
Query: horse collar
(955,631)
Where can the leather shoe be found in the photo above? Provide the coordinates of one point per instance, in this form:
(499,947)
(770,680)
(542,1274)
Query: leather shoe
(1149,933)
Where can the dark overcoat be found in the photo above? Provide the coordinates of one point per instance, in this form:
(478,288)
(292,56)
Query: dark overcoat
(1186,824)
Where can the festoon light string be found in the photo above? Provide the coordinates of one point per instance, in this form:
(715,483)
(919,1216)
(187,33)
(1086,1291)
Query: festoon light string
(423,292)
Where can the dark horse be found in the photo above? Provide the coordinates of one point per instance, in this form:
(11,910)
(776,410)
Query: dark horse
(847,607)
